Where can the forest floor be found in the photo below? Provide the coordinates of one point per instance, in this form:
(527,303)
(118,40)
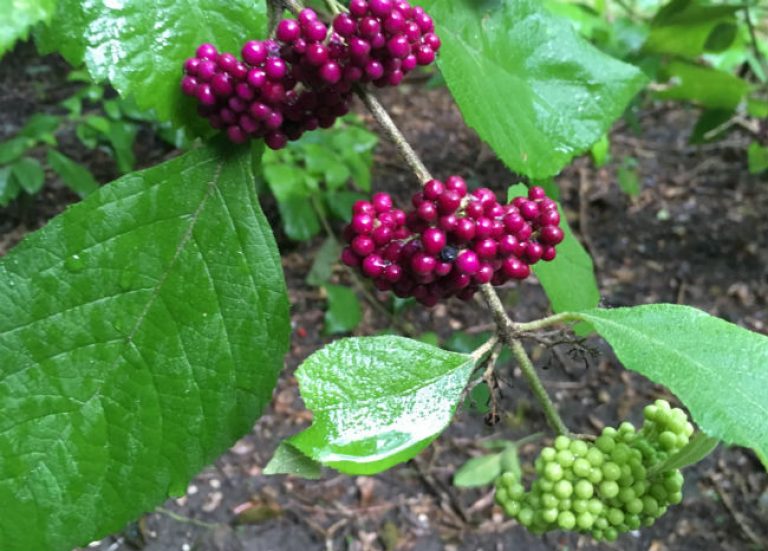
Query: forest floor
(696,234)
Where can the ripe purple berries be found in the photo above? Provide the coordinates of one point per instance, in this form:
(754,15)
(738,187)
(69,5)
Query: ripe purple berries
(303,79)
(452,241)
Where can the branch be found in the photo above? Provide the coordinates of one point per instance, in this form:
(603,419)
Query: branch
(394,134)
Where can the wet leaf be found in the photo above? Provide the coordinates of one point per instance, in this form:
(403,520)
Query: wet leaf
(531,87)
(141,333)
(377,401)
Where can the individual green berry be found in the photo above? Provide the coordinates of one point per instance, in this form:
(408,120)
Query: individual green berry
(626,495)
(675,498)
(595,457)
(563,489)
(562,443)
(508,478)
(512,508)
(605,443)
(579,505)
(650,506)
(565,458)
(548,454)
(565,505)
(566,520)
(595,475)
(608,489)
(516,491)
(581,467)
(610,534)
(615,516)
(525,516)
(668,440)
(620,454)
(579,448)
(611,471)
(549,501)
(595,506)
(635,506)
(584,489)
(633,521)
(553,471)
(585,521)
(550,515)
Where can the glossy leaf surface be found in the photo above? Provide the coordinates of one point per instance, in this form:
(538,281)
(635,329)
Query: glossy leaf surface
(141,333)
(533,89)
(377,401)
(139,46)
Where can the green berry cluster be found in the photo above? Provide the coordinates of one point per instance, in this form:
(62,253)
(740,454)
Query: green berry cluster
(605,487)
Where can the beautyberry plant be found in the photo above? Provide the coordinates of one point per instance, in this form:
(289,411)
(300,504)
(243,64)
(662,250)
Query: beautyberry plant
(142,331)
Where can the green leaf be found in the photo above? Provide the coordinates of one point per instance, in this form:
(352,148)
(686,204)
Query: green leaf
(322,162)
(75,175)
(29,174)
(121,135)
(687,30)
(19,17)
(721,37)
(41,127)
(377,401)
(704,86)
(719,370)
(568,280)
(601,151)
(697,449)
(343,314)
(12,149)
(139,46)
(478,471)
(340,203)
(325,258)
(289,460)
(294,201)
(757,157)
(709,122)
(9,187)
(627,177)
(141,333)
(534,90)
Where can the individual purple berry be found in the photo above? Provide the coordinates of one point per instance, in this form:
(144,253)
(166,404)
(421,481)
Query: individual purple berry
(549,217)
(433,189)
(381,8)
(433,240)
(288,30)
(257,78)
(205,94)
(362,223)
(427,211)
(236,134)
(423,263)
(363,245)
(536,193)
(399,46)
(465,229)
(221,84)
(551,235)
(373,265)
(382,202)
(275,68)
(206,51)
(532,253)
(316,54)
(307,16)
(448,202)
(457,184)
(425,55)
(206,70)
(382,235)
(276,140)
(189,85)
(515,269)
(344,25)
(486,248)
(393,273)
(484,274)
(349,258)
(529,210)
(358,8)
(467,262)
(315,31)
(330,72)
(549,253)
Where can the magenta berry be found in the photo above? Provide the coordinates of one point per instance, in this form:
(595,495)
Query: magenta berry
(288,30)
(467,262)
(433,241)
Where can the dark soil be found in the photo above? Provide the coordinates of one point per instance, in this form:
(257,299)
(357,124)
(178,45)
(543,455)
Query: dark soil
(697,234)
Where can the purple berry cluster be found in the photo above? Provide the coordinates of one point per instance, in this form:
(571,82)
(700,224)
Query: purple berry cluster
(386,39)
(303,79)
(452,241)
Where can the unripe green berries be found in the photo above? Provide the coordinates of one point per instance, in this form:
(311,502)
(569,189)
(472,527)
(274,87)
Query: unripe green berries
(605,487)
